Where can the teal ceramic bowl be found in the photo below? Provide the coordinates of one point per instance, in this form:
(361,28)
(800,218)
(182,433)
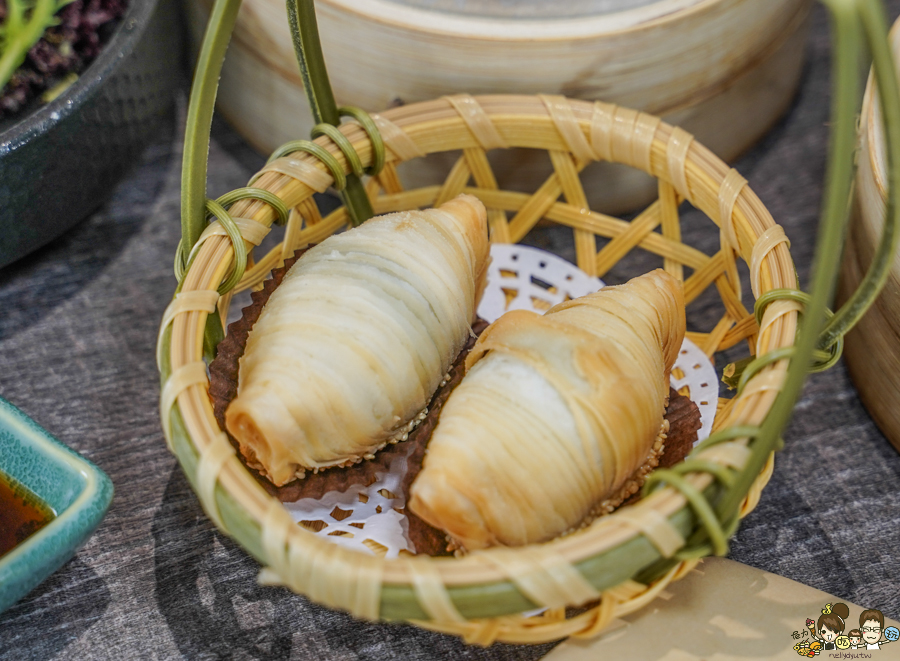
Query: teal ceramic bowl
(73,487)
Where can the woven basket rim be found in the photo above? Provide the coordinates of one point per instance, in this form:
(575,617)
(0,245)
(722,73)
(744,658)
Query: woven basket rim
(244,506)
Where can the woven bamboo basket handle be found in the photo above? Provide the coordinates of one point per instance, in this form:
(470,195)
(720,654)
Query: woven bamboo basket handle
(621,561)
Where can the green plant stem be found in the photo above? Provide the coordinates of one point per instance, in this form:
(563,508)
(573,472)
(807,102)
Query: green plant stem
(846,41)
(875,25)
(308,47)
(199,121)
(19,34)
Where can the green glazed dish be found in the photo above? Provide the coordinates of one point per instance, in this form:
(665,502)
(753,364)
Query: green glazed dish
(77,491)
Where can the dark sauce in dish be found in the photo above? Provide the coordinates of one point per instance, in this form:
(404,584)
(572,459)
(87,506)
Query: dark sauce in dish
(21,514)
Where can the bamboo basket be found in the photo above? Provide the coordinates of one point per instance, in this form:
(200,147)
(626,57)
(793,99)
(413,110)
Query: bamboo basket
(724,70)
(871,348)
(621,561)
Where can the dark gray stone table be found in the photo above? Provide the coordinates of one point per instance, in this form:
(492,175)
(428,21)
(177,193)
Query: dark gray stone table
(78,323)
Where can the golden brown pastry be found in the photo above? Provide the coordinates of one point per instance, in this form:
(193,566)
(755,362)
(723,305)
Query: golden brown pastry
(351,346)
(558,416)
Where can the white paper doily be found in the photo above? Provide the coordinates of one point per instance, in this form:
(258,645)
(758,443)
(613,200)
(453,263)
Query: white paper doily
(362,518)
(370,518)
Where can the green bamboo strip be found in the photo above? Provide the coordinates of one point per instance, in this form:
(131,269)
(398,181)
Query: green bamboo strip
(368,124)
(875,26)
(308,47)
(199,122)
(845,100)
(317,150)
(338,138)
(237,243)
(249,193)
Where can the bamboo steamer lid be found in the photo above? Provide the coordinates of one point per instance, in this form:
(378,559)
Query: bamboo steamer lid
(872,348)
(724,70)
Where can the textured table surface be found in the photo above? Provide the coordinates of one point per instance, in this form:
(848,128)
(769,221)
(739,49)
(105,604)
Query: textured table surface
(77,333)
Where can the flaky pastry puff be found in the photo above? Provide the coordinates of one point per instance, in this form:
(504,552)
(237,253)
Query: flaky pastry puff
(555,415)
(351,346)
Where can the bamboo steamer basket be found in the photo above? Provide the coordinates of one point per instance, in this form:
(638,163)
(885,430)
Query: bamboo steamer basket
(621,561)
(871,349)
(725,70)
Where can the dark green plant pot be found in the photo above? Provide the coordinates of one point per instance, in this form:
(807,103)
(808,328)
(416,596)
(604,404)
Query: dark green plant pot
(63,160)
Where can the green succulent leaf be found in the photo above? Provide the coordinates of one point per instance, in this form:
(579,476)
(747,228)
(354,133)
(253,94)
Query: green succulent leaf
(26,21)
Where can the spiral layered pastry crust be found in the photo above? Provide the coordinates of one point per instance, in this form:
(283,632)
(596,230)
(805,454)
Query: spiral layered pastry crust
(555,415)
(351,346)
